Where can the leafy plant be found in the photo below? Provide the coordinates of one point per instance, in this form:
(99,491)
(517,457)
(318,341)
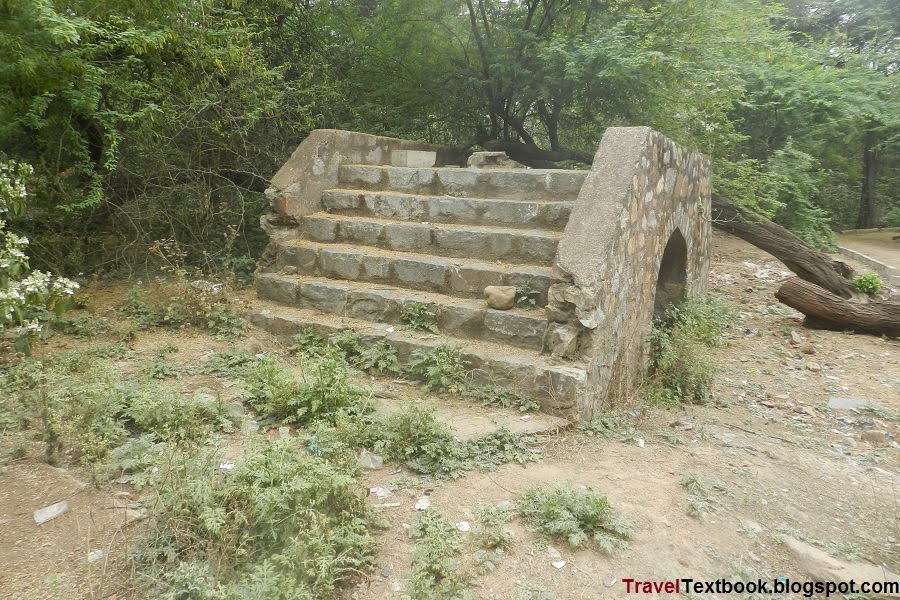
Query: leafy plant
(526,295)
(82,326)
(133,462)
(160,368)
(868,283)
(173,416)
(325,389)
(414,436)
(701,492)
(442,368)
(505,397)
(280,524)
(437,574)
(420,316)
(491,532)
(233,363)
(681,368)
(307,343)
(576,514)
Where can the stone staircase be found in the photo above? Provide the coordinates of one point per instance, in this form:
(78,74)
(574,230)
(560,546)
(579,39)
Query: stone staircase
(390,236)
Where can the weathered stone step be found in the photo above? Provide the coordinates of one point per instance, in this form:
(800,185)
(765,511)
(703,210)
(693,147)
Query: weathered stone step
(452,276)
(454,317)
(447,209)
(553,383)
(514,184)
(465,241)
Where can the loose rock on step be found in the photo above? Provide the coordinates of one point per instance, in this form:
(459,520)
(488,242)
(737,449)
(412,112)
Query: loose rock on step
(500,297)
(822,567)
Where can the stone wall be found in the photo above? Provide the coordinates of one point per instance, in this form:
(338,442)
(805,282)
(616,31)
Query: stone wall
(296,190)
(642,189)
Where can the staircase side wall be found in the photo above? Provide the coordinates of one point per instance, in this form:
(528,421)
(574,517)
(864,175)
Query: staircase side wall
(296,190)
(641,188)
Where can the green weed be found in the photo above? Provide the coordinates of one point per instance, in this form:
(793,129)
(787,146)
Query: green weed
(702,493)
(419,316)
(437,574)
(576,514)
(681,368)
(442,368)
(281,524)
(868,283)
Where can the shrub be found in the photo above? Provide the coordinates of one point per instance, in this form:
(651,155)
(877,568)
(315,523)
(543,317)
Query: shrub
(415,437)
(24,294)
(420,316)
(280,525)
(326,388)
(681,368)
(437,575)
(578,515)
(442,368)
(868,283)
(173,416)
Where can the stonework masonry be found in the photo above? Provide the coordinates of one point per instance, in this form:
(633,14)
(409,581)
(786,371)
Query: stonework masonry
(363,225)
(642,189)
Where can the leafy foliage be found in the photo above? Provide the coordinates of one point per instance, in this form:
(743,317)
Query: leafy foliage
(420,316)
(868,283)
(442,368)
(681,368)
(281,524)
(437,573)
(576,514)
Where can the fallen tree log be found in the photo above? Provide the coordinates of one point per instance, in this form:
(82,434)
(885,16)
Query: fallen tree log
(798,256)
(825,309)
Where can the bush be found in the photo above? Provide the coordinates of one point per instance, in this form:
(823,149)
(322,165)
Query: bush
(280,525)
(578,515)
(868,283)
(326,388)
(681,368)
(420,316)
(442,368)
(437,575)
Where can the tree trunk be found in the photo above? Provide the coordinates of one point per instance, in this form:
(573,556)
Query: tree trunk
(823,308)
(798,256)
(866,218)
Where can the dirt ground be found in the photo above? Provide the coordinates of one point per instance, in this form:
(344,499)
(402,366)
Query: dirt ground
(780,462)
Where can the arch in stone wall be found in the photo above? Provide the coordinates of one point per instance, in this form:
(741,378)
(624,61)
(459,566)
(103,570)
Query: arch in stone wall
(671,282)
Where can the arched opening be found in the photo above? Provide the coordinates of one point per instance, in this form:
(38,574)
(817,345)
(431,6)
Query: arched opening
(670,285)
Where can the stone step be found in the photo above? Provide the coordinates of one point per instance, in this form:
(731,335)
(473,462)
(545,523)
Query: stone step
(454,317)
(555,384)
(452,276)
(464,241)
(514,184)
(446,209)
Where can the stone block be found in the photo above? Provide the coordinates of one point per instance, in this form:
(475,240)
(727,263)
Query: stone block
(536,247)
(407,236)
(341,264)
(325,296)
(538,281)
(337,200)
(473,278)
(422,272)
(460,183)
(453,210)
(320,229)
(277,288)
(361,232)
(562,340)
(390,206)
(410,180)
(517,329)
(418,159)
(510,212)
(380,306)
(492,160)
(302,257)
(458,320)
(376,266)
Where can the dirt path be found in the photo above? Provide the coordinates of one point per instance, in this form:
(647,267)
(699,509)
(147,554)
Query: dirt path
(878,245)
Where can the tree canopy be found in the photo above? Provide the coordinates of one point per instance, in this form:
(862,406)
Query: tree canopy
(164,119)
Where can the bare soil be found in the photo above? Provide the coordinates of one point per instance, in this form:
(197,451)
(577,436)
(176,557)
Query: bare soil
(784,462)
